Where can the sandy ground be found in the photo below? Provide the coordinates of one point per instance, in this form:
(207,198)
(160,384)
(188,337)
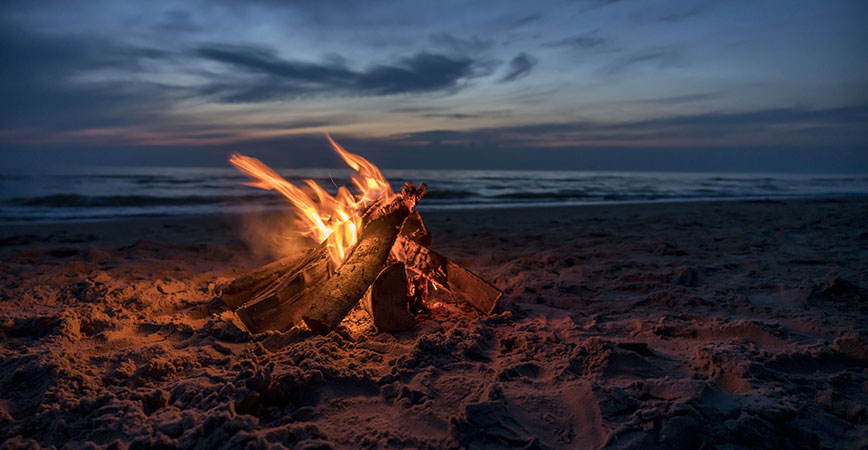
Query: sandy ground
(724,325)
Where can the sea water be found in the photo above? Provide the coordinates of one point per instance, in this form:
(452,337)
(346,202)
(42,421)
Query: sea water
(95,194)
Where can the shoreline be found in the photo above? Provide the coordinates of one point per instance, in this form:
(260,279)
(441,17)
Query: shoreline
(230,228)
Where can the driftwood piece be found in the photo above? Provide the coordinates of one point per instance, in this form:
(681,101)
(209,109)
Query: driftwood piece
(387,300)
(252,284)
(279,307)
(448,274)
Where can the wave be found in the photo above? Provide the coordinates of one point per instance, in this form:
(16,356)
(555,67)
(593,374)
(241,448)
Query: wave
(545,195)
(146,192)
(442,194)
(80,201)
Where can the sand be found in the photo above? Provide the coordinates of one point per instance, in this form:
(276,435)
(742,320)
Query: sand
(727,325)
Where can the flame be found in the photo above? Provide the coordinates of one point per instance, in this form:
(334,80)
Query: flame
(334,219)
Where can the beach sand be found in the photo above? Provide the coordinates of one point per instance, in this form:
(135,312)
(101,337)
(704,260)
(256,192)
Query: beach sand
(729,324)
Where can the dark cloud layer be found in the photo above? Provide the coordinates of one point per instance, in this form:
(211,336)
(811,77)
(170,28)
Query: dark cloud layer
(582,41)
(794,127)
(679,99)
(685,14)
(40,87)
(280,78)
(659,58)
(519,67)
(37,93)
(530,18)
(456,45)
(447,149)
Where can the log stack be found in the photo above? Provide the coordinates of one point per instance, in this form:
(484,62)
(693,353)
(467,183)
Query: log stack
(393,244)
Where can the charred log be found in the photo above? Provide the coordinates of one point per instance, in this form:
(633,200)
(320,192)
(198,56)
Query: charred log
(280,305)
(332,300)
(387,300)
(448,275)
(252,284)
(415,230)
(418,285)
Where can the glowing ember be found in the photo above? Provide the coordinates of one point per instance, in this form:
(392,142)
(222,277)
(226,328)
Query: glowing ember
(336,219)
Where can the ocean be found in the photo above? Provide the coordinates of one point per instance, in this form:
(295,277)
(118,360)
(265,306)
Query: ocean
(95,194)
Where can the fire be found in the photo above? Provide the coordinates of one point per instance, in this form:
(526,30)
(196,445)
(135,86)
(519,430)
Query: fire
(335,219)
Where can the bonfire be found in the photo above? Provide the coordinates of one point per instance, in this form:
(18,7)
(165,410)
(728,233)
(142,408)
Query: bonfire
(372,248)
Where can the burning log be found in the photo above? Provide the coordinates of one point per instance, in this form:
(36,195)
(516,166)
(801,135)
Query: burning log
(280,280)
(311,266)
(447,274)
(288,276)
(279,306)
(261,293)
(387,300)
(332,300)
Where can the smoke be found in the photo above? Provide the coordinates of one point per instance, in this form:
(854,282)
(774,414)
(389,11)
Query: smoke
(273,234)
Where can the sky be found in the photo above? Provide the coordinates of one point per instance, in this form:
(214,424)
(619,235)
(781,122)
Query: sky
(737,85)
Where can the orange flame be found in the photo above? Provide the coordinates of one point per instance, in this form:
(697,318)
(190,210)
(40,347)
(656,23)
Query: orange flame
(336,219)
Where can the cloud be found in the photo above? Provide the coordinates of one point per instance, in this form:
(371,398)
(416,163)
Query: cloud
(797,127)
(594,4)
(177,22)
(275,78)
(583,41)
(263,61)
(525,20)
(423,72)
(800,139)
(671,14)
(661,58)
(469,115)
(461,46)
(679,16)
(679,99)
(519,67)
(41,87)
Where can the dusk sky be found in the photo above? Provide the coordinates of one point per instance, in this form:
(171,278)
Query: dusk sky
(630,84)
